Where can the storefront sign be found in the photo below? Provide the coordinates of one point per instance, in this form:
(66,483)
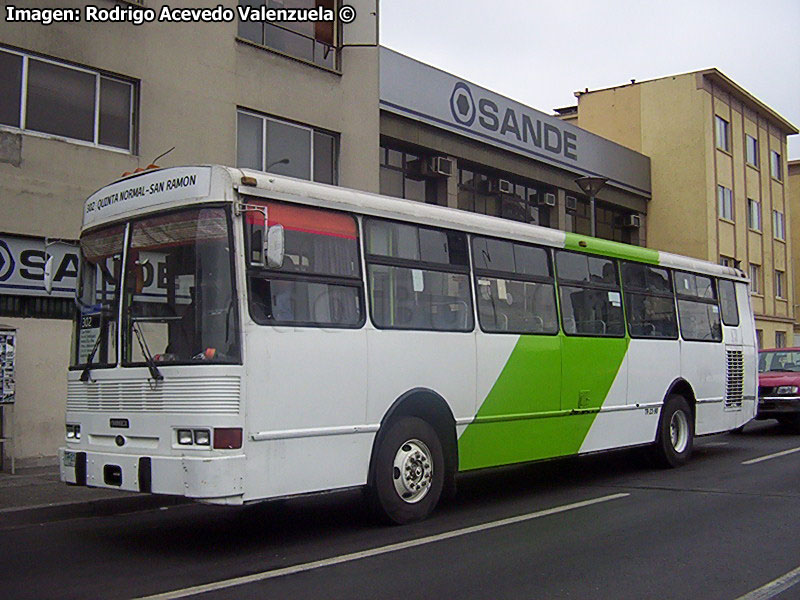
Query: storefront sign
(423,93)
(22,266)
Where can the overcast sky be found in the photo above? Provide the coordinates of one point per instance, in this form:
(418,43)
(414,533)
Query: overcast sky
(540,52)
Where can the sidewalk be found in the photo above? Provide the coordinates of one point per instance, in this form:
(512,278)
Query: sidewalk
(36,495)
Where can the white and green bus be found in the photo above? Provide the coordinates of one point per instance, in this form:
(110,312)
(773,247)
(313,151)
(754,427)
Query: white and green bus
(244,336)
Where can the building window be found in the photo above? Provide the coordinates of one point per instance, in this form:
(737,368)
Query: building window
(504,196)
(611,223)
(752,150)
(778,225)
(41,307)
(727,261)
(780,339)
(779,284)
(307,40)
(776,165)
(755,279)
(754,214)
(723,134)
(267,144)
(580,220)
(401,175)
(77,103)
(760,338)
(725,197)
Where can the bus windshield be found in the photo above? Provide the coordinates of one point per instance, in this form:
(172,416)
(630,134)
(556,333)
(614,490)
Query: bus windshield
(179,304)
(95,333)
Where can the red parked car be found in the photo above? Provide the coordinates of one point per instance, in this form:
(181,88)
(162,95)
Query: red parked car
(779,386)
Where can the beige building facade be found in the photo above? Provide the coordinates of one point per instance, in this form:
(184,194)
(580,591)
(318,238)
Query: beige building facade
(793,192)
(82,103)
(719,178)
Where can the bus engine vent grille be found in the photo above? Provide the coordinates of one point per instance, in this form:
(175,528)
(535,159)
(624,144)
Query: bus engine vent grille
(217,395)
(734,387)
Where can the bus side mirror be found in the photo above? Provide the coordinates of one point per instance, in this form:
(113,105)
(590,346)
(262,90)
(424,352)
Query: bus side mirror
(48,275)
(274,247)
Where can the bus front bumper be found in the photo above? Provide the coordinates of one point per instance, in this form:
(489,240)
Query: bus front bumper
(215,479)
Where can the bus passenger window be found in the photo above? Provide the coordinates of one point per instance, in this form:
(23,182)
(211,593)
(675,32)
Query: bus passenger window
(649,302)
(591,301)
(319,282)
(515,288)
(418,277)
(697,307)
(727,301)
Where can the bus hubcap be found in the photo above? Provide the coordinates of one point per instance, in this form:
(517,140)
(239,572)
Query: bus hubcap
(679,431)
(413,471)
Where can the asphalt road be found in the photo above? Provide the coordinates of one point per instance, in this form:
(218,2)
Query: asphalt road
(604,526)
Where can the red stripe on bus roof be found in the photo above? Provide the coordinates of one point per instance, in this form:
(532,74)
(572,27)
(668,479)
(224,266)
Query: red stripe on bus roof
(307,220)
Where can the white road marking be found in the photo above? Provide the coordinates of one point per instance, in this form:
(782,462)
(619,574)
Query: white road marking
(774,587)
(337,560)
(753,461)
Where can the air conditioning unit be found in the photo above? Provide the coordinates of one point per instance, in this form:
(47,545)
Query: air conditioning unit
(441,165)
(502,186)
(571,203)
(633,221)
(549,199)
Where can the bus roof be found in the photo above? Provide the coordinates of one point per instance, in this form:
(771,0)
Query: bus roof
(159,189)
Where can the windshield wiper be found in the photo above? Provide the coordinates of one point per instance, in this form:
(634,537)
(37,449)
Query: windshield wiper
(151,364)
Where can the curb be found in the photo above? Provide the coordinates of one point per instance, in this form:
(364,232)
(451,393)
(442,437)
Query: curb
(45,513)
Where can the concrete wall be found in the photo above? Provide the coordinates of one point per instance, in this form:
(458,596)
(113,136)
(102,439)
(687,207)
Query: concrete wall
(36,420)
(192,78)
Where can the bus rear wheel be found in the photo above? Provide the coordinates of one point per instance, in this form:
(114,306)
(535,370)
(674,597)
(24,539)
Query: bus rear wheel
(675,435)
(408,472)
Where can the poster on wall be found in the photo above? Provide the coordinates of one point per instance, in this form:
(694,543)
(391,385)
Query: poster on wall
(7,352)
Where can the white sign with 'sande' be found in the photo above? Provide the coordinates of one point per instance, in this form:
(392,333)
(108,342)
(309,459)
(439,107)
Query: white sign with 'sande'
(149,189)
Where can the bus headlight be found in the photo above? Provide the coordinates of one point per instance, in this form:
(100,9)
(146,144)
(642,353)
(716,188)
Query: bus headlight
(786,390)
(185,437)
(202,437)
(73,432)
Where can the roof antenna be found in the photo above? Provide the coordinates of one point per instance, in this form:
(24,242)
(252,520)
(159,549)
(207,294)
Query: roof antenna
(153,164)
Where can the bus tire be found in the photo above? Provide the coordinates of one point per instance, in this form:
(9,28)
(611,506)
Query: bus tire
(408,472)
(675,435)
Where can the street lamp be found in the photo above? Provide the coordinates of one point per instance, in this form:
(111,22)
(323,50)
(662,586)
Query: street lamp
(591,186)
(283,161)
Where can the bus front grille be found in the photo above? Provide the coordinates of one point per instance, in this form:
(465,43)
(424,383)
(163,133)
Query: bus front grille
(217,395)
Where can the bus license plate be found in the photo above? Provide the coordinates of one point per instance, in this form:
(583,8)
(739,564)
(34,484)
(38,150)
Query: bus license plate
(68,459)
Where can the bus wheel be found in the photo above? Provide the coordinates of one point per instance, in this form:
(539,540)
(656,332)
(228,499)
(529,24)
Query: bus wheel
(675,436)
(408,473)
